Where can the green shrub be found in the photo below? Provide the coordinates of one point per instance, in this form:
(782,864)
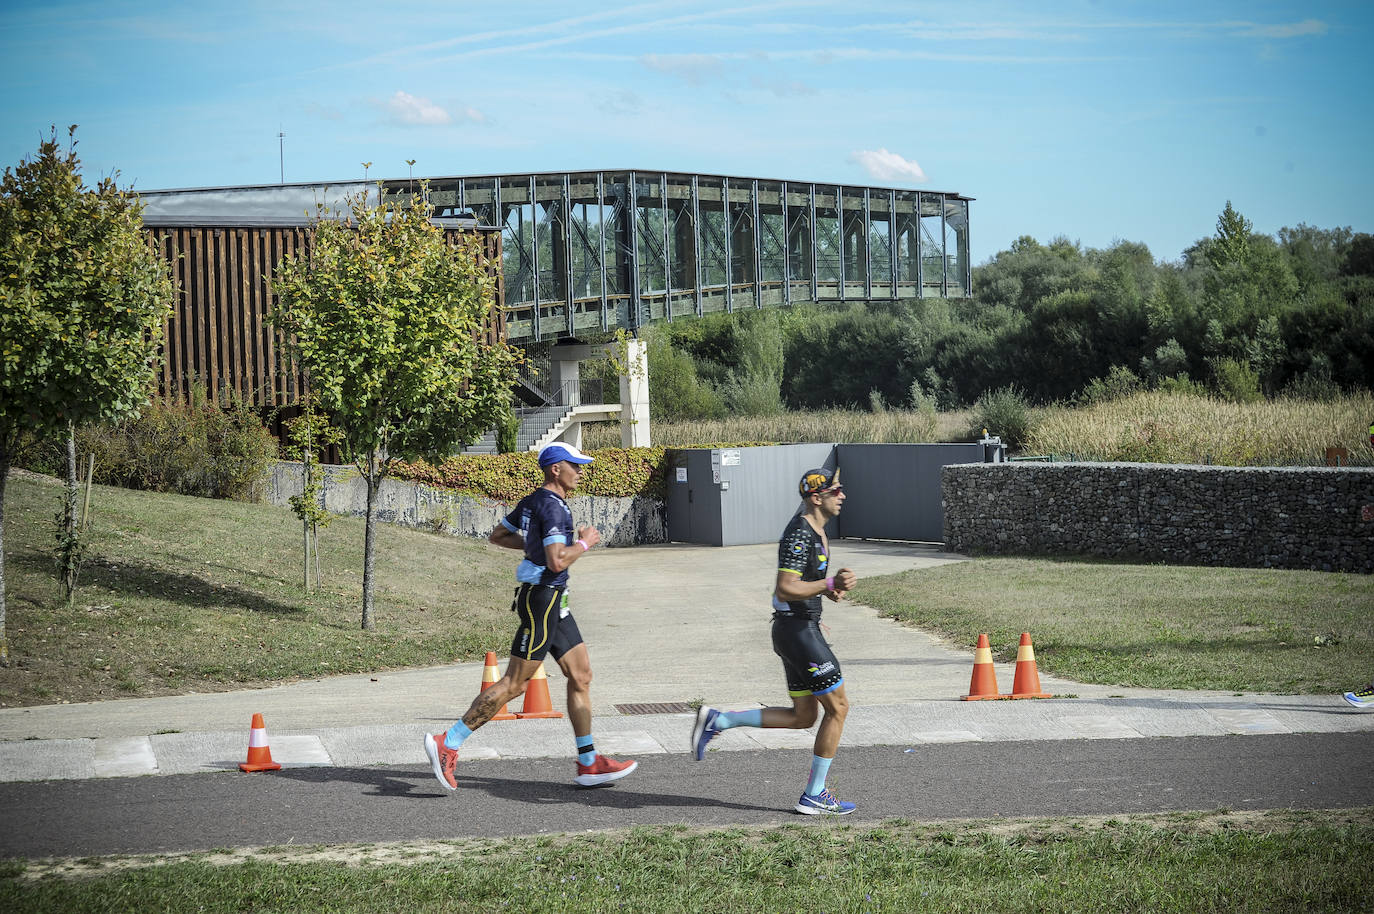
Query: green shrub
(1235,381)
(198,448)
(753,393)
(507,431)
(1119,382)
(614,473)
(1316,383)
(677,391)
(1003,412)
(1183,385)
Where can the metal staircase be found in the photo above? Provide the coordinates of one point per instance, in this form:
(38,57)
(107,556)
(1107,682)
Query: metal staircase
(536,422)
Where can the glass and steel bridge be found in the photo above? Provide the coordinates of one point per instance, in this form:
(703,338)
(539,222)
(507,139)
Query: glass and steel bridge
(589,250)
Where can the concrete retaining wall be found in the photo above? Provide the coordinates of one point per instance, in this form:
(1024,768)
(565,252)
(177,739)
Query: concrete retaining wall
(621,521)
(1282,517)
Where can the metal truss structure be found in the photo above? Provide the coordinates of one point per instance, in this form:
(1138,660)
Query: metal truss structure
(601,250)
(588,251)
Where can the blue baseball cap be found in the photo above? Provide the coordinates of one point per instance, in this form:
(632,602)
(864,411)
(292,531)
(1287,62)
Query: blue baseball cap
(560,451)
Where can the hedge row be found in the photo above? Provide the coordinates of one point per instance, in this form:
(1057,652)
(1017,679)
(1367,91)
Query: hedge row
(614,473)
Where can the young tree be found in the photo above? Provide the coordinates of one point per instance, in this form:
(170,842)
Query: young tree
(83,299)
(310,433)
(387,316)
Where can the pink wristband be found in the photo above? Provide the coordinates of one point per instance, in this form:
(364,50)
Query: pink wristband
(830,583)
(583,544)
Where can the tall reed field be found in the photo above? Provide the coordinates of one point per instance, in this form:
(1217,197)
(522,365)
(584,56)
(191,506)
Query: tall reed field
(1166,427)
(1147,427)
(852,426)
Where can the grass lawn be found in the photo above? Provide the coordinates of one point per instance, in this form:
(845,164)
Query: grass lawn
(1150,626)
(185,594)
(1182,862)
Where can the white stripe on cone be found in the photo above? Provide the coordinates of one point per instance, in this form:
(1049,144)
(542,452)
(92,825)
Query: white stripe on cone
(257,738)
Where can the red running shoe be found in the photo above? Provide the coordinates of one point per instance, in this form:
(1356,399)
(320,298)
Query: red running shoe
(442,759)
(602,771)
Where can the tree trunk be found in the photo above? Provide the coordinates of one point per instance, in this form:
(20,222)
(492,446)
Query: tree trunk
(369,541)
(71,479)
(70,555)
(305,522)
(4,639)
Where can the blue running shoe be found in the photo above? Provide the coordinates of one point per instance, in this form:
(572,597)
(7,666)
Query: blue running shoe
(1364,698)
(823,804)
(703,731)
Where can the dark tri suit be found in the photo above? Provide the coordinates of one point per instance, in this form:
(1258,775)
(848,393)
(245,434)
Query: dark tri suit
(541,600)
(810,665)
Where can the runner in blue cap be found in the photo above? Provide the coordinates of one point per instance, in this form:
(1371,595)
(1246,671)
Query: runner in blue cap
(541,525)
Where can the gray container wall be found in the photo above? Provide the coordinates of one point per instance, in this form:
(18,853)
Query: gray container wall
(733,497)
(737,496)
(892,491)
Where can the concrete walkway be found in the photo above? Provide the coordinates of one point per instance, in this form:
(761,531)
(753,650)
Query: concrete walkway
(666,625)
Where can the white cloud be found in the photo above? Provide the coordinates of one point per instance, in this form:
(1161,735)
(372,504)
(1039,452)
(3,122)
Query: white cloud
(409,109)
(1292,30)
(693,69)
(888,166)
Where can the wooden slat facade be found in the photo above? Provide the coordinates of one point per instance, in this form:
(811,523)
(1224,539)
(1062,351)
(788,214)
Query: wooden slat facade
(218,338)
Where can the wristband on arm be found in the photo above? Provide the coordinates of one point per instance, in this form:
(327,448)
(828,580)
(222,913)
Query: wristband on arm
(830,583)
(583,544)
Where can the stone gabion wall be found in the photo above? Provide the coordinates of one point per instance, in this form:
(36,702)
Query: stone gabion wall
(1282,517)
(621,521)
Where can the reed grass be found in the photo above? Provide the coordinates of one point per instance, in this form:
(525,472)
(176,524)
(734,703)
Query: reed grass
(1163,427)
(851,426)
(1147,427)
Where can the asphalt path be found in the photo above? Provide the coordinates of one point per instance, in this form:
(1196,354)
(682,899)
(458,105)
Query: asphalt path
(535,796)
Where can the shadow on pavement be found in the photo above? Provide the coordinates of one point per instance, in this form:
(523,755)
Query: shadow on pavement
(419,783)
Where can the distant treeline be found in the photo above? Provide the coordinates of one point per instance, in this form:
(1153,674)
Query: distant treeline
(1240,316)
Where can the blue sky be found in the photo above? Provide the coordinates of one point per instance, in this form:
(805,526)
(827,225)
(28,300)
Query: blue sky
(1098,121)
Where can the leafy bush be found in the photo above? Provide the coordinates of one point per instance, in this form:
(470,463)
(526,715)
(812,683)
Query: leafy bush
(1003,412)
(1235,381)
(614,473)
(1316,383)
(507,431)
(198,448)
(1182,384)
(676,391)
(753,393)
(1119,382)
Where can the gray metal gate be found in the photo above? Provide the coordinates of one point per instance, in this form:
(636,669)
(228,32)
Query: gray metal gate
(738,496)
(735,496)
(893,490)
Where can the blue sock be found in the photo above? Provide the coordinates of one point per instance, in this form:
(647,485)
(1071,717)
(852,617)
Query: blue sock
(727,719)
(820,767)
(586,753)
(456,734)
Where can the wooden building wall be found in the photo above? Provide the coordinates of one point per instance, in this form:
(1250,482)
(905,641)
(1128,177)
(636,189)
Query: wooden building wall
(218,338)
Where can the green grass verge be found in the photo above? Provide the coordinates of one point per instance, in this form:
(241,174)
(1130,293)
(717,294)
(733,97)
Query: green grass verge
(1281,861)
(187,594)
(1149,626)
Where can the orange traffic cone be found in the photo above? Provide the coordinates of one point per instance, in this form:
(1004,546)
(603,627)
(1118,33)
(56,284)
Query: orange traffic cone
(1027,681)
(489,677)
(537,703)
(259,755)
(983,685)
